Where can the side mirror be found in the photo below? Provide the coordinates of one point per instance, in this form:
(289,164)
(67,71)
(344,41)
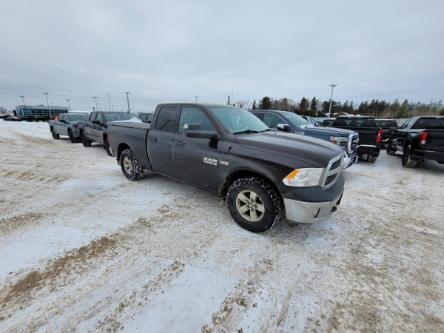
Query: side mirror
(195,131)
(283,127)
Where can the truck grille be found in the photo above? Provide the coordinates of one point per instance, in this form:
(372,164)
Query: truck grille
(332,171)
(353,145)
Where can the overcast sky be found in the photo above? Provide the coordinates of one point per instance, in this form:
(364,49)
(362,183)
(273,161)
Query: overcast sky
(174,50)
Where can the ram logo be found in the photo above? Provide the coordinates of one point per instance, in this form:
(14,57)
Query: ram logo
(210,161)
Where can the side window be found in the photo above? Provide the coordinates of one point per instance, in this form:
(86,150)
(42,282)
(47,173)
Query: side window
(272,120)
(259,115)
(92,116)
(167,119)
(193,115)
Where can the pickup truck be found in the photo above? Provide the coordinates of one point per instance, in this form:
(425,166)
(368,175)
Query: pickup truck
(68,124)
(370,135)
(95,128)
(388,126)
(262,174)
(419,139)
(290,122)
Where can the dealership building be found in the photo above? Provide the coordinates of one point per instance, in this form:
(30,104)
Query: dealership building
(38,112)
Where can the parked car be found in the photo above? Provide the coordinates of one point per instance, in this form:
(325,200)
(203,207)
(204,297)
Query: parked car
(290,122)
(419,139)
(95,128)
(67,124)
(387,126)
(328,122)
(263,174)
(146,117)
(370,135)
(311,120)
(11,118)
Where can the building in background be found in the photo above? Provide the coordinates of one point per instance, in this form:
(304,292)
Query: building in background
(38,112)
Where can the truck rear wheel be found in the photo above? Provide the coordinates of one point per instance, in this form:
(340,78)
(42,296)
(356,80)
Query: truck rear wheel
(54,134)
(130,166)
(85,141)
(407,160)
(253,204)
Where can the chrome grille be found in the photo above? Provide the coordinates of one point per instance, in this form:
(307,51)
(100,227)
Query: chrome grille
(332,171)
(353,145)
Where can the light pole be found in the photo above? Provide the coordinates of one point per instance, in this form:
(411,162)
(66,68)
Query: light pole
(95,100)
(69,104)
(109,102)
(333,85)
(23,100)
(127,100)
(47,103)
(196,97)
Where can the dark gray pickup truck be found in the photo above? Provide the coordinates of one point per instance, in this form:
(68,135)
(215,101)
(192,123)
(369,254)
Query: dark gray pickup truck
(262,174)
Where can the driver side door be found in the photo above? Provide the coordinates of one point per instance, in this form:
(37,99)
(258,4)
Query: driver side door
(195,160)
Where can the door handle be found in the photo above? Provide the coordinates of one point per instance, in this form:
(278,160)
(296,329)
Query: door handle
(179,142)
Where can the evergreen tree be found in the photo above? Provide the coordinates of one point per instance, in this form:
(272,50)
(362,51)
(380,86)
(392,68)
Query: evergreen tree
(314,106)
(303,106)
(265,103)
(254,105)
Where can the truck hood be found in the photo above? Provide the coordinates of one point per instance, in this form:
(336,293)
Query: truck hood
(332,131)
(293,147)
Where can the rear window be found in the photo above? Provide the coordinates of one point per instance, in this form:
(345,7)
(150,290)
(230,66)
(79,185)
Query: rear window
(429,123)
(386,123)
(77,117)
(355,122)
(167,119)
(118,116)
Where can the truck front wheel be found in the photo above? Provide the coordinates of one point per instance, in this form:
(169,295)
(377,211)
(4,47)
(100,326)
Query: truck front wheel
(130,166)
(253,203)
(54,134)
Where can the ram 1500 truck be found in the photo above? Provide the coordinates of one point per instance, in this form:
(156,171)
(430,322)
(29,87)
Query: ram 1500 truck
(262,174)
(370,135)
(419,139)
(95,128)
(68,124)
(290,122)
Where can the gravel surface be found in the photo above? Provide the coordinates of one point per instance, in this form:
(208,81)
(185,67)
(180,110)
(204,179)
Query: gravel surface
(82,248)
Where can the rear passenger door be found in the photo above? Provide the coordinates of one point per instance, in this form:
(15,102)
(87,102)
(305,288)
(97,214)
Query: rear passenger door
(160,139)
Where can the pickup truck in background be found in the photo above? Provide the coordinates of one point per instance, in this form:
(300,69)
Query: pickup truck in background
(388,126)
(263,174)
(146,117)
(419,139)
(68,124)
(370,135)
(95,128)
(292,123)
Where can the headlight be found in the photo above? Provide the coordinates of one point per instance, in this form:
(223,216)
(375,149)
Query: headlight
(339,140)
(304,177)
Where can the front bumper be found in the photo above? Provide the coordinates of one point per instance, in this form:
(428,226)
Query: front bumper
(309,212)
(349,161)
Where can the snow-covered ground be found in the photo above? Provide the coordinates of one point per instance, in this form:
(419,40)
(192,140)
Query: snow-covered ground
(83,249)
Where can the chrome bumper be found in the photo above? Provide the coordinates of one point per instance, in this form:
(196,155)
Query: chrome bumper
(309,212)
(349,161)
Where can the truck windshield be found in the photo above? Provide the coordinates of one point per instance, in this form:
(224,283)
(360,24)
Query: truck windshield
(114,116)
(77,117)
(236,120)
(297,121)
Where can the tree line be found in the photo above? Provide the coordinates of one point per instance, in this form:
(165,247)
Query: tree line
(376,108)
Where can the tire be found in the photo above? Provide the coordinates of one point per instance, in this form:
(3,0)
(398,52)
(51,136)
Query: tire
(85,141)
(71,136)
(54,134)
(407,160)
(371,159)
(130,166)
(107,147)
(245,208)
(389,149)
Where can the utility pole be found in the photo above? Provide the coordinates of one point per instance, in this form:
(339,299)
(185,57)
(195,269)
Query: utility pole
(196,97)
(95,100)
(69,104)
(333,85)
(127,100)
(109,102)
(23,100)
(228,100)
(47,103)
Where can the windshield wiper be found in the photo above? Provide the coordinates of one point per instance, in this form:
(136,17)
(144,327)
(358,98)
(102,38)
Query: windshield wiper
(246,131)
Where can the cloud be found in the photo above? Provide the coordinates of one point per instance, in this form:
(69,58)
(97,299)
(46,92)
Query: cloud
(175,50)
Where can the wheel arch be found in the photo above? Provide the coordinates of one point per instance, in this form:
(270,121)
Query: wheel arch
(121,148)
